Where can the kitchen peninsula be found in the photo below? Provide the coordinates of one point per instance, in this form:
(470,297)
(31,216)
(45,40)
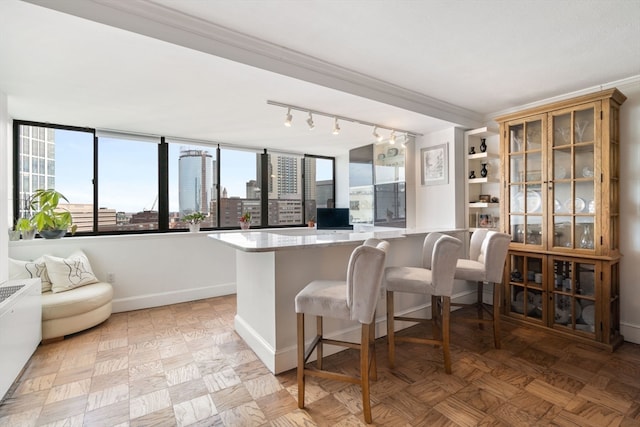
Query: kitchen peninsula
(273,265)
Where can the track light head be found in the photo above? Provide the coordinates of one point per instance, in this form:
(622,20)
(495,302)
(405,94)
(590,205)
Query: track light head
(336,127)
(392,137)
(310,122)
(289,117)
(376,135)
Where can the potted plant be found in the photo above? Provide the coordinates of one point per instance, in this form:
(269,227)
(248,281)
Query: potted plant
(26,228)
(245,220)
(194,219)
(51,221)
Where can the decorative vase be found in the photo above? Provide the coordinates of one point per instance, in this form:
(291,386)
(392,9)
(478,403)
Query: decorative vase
(483,145)
(194,228)
(244,225)
(14,235)
(472,175)
(52,234)
(472,150)
(484,171)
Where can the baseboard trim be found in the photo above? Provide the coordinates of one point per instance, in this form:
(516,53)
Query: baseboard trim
(630,332)
(166,298)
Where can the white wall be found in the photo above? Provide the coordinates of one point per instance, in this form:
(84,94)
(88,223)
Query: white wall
(4,185)
(630,212)
(151,269)
(440,205)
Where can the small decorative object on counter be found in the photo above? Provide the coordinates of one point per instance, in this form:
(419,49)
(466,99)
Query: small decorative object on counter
(472,150)
(194,219)
(483,145)
(484,171)
(245,221)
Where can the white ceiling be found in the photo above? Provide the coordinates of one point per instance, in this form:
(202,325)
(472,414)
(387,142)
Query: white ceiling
(205,69)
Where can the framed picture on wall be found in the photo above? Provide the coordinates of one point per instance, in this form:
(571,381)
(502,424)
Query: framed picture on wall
(435,164)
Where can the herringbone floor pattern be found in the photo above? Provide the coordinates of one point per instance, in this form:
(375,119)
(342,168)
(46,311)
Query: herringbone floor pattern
(184,365)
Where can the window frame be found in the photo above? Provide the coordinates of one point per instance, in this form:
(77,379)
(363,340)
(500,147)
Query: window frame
(163,179)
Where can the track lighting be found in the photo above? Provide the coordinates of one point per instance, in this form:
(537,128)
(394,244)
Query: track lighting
(376,135)
(336,126)
(287,120)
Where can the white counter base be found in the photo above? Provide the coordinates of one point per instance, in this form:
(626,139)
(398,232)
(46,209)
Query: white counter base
(268,281)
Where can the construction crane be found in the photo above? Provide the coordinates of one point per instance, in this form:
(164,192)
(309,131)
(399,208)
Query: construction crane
(155,201)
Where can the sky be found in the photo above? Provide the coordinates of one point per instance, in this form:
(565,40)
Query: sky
(127,171)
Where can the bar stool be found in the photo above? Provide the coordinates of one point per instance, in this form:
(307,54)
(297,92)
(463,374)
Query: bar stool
(435,278)
(352,299)
(487,256)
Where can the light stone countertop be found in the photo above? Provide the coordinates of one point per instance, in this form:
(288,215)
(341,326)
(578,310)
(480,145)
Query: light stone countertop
(275,239)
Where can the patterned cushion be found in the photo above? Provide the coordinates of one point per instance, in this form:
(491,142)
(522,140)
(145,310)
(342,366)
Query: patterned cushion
(69,273)
(30,270)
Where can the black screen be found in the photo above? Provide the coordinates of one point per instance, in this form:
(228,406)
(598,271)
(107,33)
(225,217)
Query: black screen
(333,218)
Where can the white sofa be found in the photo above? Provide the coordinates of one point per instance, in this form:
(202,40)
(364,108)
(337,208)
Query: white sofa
(75,310)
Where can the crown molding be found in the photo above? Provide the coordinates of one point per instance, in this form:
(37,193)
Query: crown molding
(619,84)
(163,23)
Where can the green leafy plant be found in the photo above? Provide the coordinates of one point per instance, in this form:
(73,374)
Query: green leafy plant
(246,217)
(194,217)
(25,224)
(47,215)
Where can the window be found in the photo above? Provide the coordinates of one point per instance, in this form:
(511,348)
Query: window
(193,177)
(285,189)
(127,184)
(240,190)
(120,182)
(319,185)
(60,158)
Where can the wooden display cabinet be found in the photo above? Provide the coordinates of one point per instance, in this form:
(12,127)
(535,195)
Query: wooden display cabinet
(560,203)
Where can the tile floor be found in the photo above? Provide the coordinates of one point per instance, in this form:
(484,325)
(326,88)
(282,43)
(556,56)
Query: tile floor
(183,365)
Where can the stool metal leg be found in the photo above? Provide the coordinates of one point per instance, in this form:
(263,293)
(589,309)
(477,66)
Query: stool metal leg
(319,345)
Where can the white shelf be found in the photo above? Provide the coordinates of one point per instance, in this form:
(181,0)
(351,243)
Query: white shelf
(484,155)
(480,205)
(485,180)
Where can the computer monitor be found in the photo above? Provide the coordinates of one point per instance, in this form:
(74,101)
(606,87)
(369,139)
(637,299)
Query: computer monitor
(333,219)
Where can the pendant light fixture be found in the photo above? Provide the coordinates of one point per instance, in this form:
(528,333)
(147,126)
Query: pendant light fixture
(392,137)
(336,127)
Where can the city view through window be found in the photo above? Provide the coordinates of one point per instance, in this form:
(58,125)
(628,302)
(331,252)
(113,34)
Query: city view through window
(128,181)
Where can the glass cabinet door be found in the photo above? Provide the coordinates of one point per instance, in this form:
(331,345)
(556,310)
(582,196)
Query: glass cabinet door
(525,293)
(525,191)
(574,294)
(573,186)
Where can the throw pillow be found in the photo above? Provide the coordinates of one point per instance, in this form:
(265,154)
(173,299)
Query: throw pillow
(30,270)
(69,273)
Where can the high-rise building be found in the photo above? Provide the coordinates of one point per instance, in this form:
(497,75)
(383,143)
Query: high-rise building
(37,162)
(196,181)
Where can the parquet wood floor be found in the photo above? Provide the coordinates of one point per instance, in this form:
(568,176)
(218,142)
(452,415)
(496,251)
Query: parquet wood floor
(183,365)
